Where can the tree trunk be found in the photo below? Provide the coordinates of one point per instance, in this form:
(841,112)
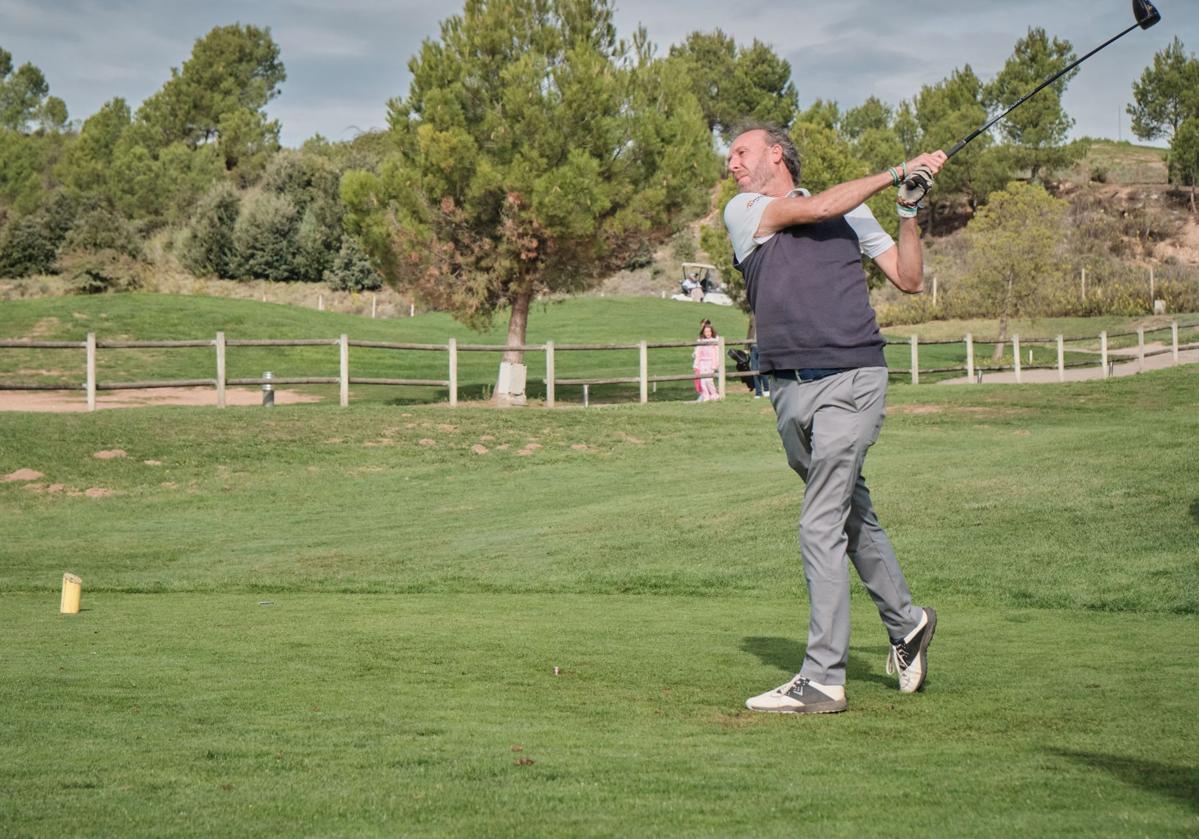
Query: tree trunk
(997,355)
(510,387)
(1007,308)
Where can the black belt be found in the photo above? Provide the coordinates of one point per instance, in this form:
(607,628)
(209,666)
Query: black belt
(808,374)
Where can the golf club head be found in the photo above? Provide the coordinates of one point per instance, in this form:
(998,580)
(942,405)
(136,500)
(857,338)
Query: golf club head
(1145,13)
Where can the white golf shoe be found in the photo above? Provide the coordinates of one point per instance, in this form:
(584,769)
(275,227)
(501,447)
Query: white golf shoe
(800,696)
(909,658)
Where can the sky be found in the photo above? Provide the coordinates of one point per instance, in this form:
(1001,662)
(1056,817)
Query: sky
(346,58)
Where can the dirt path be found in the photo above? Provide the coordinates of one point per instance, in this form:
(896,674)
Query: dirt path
(1122,367)
(60,401)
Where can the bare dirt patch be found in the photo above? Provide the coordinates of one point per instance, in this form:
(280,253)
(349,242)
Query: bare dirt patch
(479,448)
(44,327)
(914,409)
(75,400)
(110,454)
(23,475)
(97,492)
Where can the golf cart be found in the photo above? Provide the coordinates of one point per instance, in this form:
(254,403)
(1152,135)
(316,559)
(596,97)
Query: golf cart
(701,284)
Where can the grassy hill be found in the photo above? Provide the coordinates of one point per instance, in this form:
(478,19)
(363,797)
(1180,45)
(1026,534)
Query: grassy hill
(1122,162)
(578,320)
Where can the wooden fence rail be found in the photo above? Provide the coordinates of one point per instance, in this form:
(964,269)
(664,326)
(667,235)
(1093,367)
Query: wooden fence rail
(452,348)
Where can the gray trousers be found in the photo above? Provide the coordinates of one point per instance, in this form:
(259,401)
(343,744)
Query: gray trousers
(827,425)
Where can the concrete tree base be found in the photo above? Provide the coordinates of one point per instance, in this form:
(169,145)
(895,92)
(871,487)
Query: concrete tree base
(510,386)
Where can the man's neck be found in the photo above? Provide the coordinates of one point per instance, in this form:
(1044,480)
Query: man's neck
(780,186)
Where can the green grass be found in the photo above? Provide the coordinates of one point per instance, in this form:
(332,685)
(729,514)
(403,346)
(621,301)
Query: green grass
(583,320)
(345,622)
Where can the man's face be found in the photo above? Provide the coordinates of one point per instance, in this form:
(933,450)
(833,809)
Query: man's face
(750,161)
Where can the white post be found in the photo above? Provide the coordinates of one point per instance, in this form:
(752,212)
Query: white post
(220,369)
(374,305)
(1103,352)
(720,367)
(411,310)
(934,291)
(915,341)
(970,357)
(91,371)
(453,348)
(585,396)
(344,346)
(1174,339)
(643,352)
(320,302)
(1016,356)
(1061,358)
(549,374)
(1140,349)
(1084,285)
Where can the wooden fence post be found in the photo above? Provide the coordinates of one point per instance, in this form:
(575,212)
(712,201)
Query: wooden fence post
(453,348)
(91,371)
(970,357)
(1103,352)
(915,341)
(1061,358)
(374,305)
(320,302)
(549,374)
(1174,339)
(1016,356)
(1140,349)
(720,367)
(220,369)
(643,353)
(344,353)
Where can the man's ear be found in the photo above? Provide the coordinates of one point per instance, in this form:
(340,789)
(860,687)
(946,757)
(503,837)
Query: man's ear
(776,154)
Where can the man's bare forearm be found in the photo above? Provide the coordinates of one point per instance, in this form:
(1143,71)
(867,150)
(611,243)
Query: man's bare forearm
(834,201)
(911,257)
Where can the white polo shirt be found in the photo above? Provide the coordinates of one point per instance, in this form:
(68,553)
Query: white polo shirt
(743,216)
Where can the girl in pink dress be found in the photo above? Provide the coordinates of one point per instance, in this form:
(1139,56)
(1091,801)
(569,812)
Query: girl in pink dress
(704,361)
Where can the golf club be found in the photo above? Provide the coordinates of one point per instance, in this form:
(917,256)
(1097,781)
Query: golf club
(1145,14)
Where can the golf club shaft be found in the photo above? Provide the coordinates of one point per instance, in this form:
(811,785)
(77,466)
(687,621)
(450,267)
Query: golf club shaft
(961,143)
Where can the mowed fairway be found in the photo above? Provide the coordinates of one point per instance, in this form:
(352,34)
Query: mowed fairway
(324,621)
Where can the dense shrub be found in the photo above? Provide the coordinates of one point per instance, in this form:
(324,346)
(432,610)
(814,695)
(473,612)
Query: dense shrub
(27,246)
(207,246)
(102,229)
(264,237)
(352,269)
(97,272)
(317,240)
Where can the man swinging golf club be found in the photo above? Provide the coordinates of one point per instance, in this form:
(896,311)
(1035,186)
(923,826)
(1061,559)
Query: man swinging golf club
(820,343)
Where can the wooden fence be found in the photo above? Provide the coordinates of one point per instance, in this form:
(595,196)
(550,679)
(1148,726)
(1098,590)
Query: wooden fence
(220,344)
